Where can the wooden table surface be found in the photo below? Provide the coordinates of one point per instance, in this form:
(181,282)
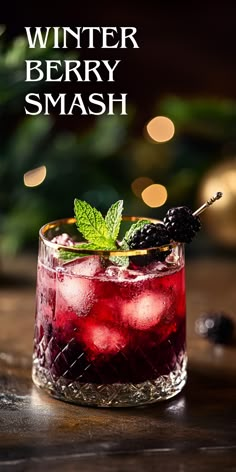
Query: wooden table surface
(195,431)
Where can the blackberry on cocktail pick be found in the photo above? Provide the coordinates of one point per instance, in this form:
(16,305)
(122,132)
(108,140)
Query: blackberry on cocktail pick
(150,235)
(216,327)
(182,224)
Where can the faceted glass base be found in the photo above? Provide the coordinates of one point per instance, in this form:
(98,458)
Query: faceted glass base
(112,395)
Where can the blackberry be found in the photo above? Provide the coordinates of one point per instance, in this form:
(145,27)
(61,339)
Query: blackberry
(217,327)
(181,224)
(150,235)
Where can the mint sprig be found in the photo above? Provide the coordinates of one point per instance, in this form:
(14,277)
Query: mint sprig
(101,233)
(121,260)
(113,219)
(92,225)
(70,255)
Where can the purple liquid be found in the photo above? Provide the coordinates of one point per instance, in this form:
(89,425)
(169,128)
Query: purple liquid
(110,326)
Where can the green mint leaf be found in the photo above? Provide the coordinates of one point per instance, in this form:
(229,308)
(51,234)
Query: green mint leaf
(70,255)
(122,261)
(132,230)
(113,219)
(92,225)
(67,255)
(124,245)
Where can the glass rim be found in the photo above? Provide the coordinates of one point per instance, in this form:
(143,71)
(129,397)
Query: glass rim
(102,252)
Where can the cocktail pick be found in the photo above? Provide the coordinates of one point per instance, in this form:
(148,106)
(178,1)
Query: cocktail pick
(208,203)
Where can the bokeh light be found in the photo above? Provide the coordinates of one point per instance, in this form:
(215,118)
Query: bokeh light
(220,220)
(161,129)
(139,184)
(35,177)
(155,195)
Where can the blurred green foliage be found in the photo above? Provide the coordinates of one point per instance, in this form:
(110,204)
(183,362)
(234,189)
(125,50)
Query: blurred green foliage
(98,164)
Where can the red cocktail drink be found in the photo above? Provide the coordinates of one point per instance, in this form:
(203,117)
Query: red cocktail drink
(107,335)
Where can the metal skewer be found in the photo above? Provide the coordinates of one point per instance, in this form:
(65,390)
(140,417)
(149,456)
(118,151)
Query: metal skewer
(209,202)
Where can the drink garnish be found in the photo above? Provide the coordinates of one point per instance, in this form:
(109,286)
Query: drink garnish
(101,233)
(150,235)
(183,224)
(94,228)
(179,225)
(208,203)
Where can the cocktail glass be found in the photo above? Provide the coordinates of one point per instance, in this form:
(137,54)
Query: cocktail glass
(106,335)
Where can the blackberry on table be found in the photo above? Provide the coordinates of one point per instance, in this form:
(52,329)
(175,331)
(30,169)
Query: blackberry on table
(217,327)
(150,235)
(181,224)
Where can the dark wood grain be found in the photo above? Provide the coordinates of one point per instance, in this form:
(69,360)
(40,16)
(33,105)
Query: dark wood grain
(194,431)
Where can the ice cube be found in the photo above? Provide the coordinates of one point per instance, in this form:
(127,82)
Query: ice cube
(84,266)
(75,284)
(121,273)
(103,339)
(73,292)
(63,239)
(145,310)
(155,267)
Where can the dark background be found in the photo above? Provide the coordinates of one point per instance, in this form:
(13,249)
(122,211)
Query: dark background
(185,47)
(187,53)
